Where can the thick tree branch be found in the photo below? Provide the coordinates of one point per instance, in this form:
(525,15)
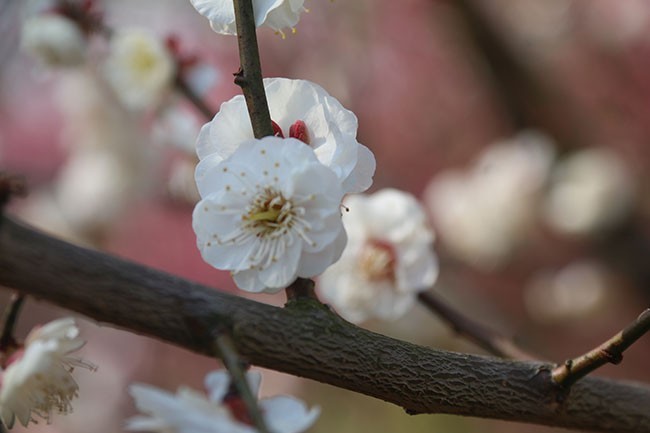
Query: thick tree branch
(612,350)
(249,76)
(307,339)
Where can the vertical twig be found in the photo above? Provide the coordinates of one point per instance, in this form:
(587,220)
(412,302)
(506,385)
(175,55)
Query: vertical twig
(226,351)
(249,76)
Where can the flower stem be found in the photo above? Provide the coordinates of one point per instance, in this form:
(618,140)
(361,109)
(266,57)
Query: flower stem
(249,76)
(611,351)
(225,349)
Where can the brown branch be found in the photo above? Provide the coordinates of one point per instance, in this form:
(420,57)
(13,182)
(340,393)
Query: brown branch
(225,349)
(9,321)
(196,100)
(11,185)
(306,339)
(484,337)
(611,351)
(249,76)
(529,98)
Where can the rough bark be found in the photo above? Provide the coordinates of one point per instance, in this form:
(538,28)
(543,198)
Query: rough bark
(308,340)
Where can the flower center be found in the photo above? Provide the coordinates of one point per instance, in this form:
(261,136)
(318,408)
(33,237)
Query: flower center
(143,60)
(268,211)
(276,222)
(378,261)
(298,130)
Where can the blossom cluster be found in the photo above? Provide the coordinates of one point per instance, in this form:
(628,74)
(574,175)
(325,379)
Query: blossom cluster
(270,209)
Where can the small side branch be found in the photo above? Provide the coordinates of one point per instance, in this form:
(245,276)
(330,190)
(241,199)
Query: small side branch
(484,337)
(225,349)
(196,100)
(249,76)
(9,321)
(11,185)
(610,351)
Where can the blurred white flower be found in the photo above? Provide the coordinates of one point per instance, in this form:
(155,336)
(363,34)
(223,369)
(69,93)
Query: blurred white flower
(579,289)
(38,379)
(54,40)
(177,127)
(388,259)
(591,190)
(201,78)
(181,185)
(302,110)
(139,68)
(189,411)
(617,24)
(277,14)
(270,213)
(484,213)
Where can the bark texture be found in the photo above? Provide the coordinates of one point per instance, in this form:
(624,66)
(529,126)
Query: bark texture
(308,340)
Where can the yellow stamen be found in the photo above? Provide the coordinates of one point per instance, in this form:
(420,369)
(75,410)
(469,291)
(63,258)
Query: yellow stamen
(269,215)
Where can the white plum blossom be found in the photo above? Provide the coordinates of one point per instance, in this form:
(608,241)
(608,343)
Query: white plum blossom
(54,40)
(269,213)
(221,411)
(591,190)
(139,68)
(484,213)
(302,110)
(38,379)
(387,261)
(277,14)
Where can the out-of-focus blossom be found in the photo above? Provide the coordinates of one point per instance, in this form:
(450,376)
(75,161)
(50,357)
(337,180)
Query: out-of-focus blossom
(387,261)
(189,411)
(269,213)
(277,14)
(54,40)
(302,110)
(181,185)
(37,380)
(139,68)
(535,24)
(616,24)
(178,128)
(108,165)
(573,292)
(591,190)
(484,213)
(201,78)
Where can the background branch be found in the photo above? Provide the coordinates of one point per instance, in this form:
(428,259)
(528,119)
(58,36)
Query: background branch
(484,337)
(308,340)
